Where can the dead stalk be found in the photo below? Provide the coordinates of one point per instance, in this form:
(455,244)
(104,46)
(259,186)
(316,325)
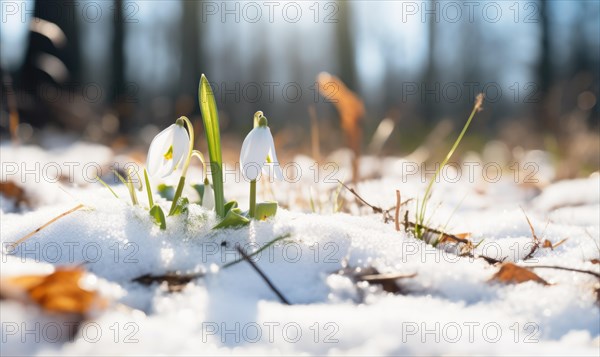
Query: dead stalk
(21,240)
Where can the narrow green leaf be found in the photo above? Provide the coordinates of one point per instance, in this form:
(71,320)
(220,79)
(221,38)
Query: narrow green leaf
(229,205)
(265,210)
(148,189)
(210,117)
(178,193)
(158,216)
(234,218)
(107,186)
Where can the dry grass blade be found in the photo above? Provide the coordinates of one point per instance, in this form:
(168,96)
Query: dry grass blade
(21,240)
(597,275)
(397,213)
(536,240)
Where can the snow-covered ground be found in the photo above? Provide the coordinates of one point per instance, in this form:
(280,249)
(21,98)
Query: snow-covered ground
(449,306)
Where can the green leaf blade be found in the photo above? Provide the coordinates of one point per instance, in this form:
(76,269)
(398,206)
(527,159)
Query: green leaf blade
(210,118)
(159,216)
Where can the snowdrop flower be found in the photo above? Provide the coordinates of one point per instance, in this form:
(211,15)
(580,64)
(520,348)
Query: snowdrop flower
(168,150)
(258,151)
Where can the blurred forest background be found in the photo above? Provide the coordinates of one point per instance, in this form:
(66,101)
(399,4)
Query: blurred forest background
(118,71)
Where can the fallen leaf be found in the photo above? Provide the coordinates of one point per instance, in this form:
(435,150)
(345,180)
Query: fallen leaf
(12,191)
(175,281)
(548,244)
(58,292)
(388,282)
(510,273)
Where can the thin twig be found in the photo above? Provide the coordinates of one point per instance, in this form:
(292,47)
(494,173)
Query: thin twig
(378,278)
(536,240)
(564,268)
(398,203)
(15,244)
(270,243)
(262,275)
(373,207)
(442,234)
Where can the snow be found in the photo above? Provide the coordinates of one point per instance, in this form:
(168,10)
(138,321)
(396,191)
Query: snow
(450,307)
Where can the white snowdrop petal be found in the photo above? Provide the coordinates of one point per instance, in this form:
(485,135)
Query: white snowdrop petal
(181,145)
(159,145)
(277,172)
(254,153)
(273,155)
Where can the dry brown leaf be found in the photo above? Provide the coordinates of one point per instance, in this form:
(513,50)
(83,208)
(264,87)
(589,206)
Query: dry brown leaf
(547,244)
(350,108)
(455,238)
(57,292)
(388,282)
(175,281)
(511,273)
(11,190)
(595,261)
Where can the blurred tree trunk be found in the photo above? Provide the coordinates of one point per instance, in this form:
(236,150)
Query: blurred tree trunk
(544,76)
(192,57)
(52,60)
(345,44)
(118,90)
(583,65)
(428,97)
(118,54)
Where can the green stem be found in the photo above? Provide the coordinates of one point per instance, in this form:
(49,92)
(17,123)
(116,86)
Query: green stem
(421,215)
(177,195)
(148,189)
(252,198)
